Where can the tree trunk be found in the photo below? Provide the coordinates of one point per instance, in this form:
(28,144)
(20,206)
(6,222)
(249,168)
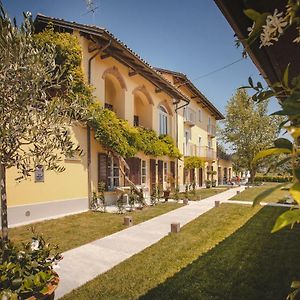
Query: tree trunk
(252,175)
(4,222)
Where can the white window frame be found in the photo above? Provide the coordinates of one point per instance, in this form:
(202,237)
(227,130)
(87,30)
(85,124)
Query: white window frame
(144,168)
(113,173)
(163,120)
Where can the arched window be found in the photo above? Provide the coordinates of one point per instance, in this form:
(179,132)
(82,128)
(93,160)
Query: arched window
(163,120)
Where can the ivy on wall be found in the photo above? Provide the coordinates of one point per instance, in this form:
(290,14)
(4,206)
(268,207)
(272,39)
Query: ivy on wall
(193,162)
(118,135)
(68,57)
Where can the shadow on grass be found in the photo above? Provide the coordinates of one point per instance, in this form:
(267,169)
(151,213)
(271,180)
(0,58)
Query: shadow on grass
(250,264)
(260,197)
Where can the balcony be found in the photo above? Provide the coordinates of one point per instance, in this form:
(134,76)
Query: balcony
(189,116)
(189,149)
(211,129)
(207,153)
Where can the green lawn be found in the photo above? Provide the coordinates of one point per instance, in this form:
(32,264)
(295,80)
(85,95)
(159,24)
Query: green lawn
(268,192)
(203,193)
(72,231)
(227,253)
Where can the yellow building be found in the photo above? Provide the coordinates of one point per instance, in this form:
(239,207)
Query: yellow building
(135,91)
(196,130)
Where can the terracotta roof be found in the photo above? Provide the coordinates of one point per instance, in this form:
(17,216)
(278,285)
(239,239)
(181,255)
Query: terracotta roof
(199,97)
(118,50)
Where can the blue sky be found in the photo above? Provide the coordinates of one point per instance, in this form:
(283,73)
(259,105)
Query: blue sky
(188,36)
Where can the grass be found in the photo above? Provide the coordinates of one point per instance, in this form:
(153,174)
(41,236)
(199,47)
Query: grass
(268,192)
(227,253)
(203,193)
(72,231)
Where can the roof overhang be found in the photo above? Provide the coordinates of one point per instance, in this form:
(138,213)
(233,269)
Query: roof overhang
(118,50)
(182,80)
(270,61)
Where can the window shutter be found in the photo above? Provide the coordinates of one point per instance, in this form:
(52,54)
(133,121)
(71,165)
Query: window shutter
(160,172)
(192,175)
(134,164)
(152,174)
(172,171)
(102,169)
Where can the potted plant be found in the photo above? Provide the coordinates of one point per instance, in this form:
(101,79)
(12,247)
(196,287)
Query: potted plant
(207,184)
(214,183)
(27,271)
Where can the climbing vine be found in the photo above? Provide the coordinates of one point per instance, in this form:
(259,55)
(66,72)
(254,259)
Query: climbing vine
(68,59)
(193,162)
(118,135)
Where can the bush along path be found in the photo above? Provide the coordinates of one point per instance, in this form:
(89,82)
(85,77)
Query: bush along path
(84,263)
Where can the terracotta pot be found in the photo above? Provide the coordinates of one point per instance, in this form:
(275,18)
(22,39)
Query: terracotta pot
(51,289)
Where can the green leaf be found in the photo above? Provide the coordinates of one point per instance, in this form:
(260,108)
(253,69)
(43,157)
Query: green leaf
(297,173)
(287,218)
(283,143)
(250,81)
(285,79)
(252,14)
(271,151)
(295,285)
(295,191)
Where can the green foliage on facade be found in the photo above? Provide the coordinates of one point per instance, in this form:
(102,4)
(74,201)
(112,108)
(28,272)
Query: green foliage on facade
(68,58)
(118,135)
(193,162)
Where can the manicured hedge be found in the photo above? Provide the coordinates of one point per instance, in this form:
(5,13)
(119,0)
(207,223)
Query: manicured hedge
(273,178)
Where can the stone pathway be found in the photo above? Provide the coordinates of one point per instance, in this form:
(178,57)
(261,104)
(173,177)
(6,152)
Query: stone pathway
(84,263)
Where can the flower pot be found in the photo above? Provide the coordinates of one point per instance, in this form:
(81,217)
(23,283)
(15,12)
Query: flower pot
(49,295)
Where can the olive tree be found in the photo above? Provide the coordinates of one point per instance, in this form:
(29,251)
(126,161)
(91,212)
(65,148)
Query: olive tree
(35,107)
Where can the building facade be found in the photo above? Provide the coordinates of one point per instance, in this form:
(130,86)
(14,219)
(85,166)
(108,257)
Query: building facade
(136,92)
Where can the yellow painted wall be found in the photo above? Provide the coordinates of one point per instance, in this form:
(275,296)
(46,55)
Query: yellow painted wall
(70,184)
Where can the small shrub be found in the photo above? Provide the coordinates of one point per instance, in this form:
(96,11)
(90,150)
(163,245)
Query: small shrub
(120,203)
(273,179)
(176,194)
(153,196)
(27,270)
(131,199)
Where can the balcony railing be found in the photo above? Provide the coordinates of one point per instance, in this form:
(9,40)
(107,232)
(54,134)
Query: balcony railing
(207,153)
(189,116)
(211,129)
(189,149)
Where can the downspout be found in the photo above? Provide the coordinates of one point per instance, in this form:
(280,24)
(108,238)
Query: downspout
(89,154)
(176,120)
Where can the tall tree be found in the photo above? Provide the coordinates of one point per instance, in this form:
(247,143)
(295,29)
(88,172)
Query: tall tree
(248,129)
(35,107)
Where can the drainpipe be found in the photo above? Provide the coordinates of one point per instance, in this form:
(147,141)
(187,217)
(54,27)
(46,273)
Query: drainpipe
(176,120)
(89,155)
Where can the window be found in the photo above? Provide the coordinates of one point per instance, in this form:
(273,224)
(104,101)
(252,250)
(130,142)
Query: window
(144,171)
(209,143)
(199,115)
(163,120)
(136,121)
(113,172)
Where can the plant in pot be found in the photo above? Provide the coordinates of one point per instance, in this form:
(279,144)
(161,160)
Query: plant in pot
(27,271)
(207,184)
(214,183)
(176,194)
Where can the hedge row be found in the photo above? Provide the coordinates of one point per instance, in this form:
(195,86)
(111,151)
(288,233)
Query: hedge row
(273,178)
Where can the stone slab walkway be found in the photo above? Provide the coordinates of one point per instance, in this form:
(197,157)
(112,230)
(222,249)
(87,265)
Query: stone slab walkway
(84,263)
